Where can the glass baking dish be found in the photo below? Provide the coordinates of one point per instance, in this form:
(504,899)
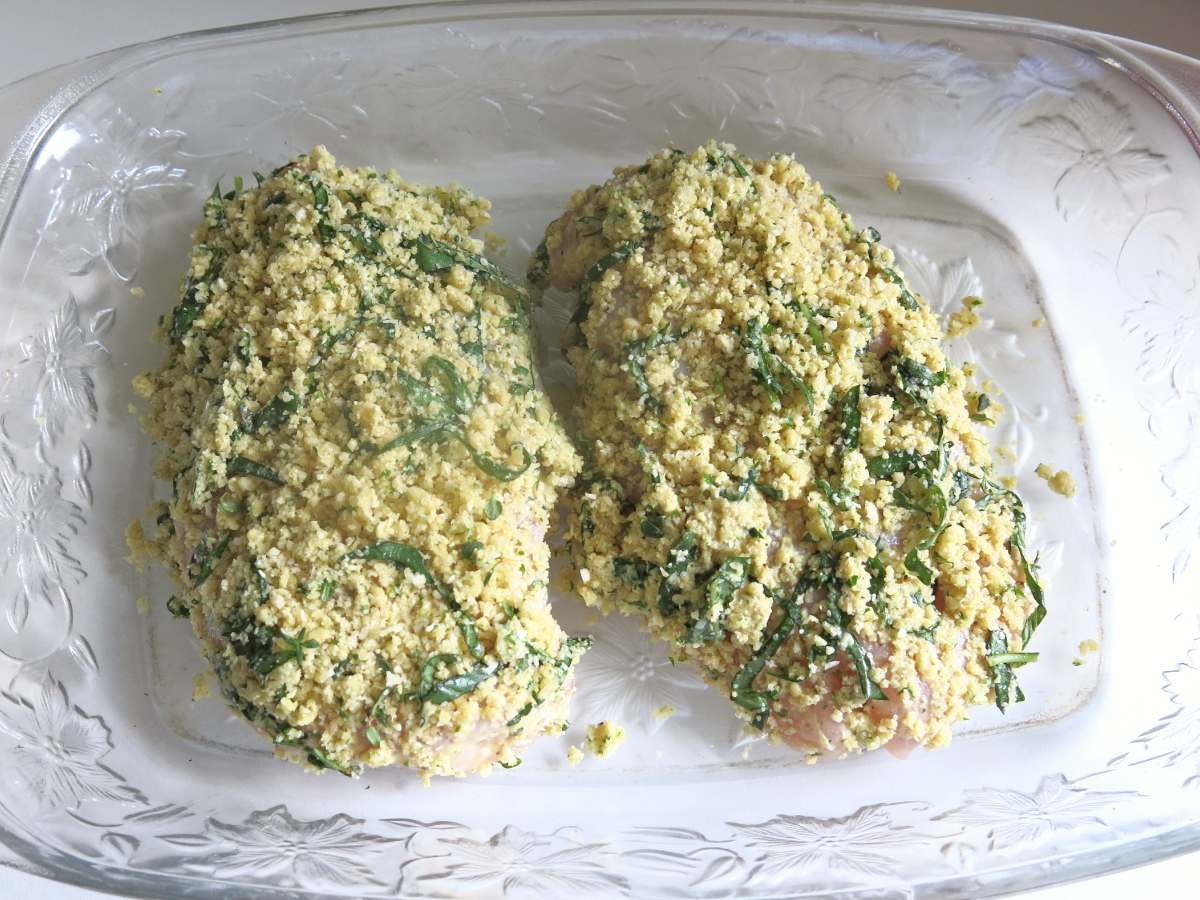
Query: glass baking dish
(1052,171)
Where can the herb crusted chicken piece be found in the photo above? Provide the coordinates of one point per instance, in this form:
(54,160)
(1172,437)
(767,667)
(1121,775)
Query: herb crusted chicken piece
(783,479)
(363,469)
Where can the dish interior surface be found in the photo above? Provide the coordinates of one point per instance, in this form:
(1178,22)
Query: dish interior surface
(1033,175)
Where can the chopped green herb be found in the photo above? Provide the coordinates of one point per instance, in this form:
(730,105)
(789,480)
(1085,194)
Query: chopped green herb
(597,270)
(203,559)
(294,647)
(274,413)
(653,525)
(453,687)
(907,300)
(241,466)
(679,560)
(917,380)
(493,509)
(1002,662)
(775,376)
(632,571)
(437,256)
(319,759)
(636,353)
(813,328)
(724,583)
(741,686)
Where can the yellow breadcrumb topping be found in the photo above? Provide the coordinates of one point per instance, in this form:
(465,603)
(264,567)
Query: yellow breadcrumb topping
(574,755)
(362,467)
(1061,482)
(604,738)
(964,319)
(893,181)
(200,688)
(783,479)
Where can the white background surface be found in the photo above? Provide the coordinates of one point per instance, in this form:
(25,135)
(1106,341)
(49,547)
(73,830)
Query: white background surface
(44,33)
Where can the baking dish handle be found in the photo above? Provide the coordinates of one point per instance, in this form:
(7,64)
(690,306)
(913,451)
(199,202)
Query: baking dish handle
(30,107)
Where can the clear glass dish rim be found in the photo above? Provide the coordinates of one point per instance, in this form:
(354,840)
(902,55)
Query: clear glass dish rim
(31,106)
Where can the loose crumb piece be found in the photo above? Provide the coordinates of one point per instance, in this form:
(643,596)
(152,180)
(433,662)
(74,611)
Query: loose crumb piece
(1091,645)
(1038,323)
(137,291)
(1077,662)
(966,318)
(1009,482)
(604,738)
(1006,453)
(143,605)
(893,181)
(574,755)
(1060,482)
(200,688)
(157,90)
(664,712)
(1079,418)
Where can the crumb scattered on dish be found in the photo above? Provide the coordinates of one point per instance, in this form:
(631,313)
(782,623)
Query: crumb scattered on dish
(200,687)
(965,318)
(664,712)
(893,181)
(574,755)
(604,738)
(1061,482)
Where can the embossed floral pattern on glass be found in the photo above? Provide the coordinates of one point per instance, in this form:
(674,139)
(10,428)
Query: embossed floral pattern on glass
(57,749)
(36,528)
(53,382)
(98,213)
